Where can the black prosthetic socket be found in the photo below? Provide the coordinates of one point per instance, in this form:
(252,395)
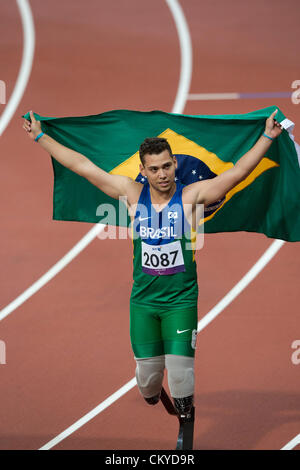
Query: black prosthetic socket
(184,405)
(153,400)
(184,409)
(186,414)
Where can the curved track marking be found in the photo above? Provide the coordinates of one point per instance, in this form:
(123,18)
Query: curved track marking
(178,106)
(89,416)
(292,444)
(186,56)
(205,321)
(83,243)
(242,284)
(181,97)
(26,64)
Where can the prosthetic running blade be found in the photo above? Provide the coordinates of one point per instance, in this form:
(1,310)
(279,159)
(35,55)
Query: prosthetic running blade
(186,431)
(186,423)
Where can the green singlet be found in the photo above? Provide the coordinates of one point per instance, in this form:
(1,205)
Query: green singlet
(163,302)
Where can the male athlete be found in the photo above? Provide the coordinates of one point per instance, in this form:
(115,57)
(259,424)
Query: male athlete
(163,303)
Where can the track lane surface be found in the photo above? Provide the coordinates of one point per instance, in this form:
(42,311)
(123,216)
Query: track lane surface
(62,359)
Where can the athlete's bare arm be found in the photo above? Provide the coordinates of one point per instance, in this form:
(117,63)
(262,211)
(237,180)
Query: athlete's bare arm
(112,185)
(209,191)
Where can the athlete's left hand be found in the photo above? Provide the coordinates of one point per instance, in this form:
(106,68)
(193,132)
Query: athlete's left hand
(273,128)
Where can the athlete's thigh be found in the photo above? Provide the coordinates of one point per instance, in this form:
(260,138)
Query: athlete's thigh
(179,331)
(145,332)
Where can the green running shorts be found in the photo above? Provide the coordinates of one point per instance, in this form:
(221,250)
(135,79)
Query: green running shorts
(155,331)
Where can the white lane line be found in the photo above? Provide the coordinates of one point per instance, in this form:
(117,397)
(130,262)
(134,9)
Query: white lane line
(184,83)
(82,421)
(26,64)
(242,284)
(238,96)
(213,96)
(204,322)
(178,106)
(186,54)
(293,443)
(62,263)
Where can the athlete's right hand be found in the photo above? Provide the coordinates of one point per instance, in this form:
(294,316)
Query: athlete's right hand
(32,128)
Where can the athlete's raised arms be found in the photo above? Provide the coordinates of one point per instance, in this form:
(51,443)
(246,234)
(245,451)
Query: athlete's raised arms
(209,191)
(203,192)
(112,185)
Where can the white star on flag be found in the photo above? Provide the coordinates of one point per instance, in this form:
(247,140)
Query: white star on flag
(193,172)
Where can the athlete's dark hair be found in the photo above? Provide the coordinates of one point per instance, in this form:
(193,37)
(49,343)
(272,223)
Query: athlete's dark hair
(154,145)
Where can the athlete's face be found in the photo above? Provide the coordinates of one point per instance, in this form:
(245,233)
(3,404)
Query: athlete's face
(159,170)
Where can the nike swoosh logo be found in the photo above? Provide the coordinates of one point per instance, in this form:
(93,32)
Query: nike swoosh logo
(143,218)
(182,331)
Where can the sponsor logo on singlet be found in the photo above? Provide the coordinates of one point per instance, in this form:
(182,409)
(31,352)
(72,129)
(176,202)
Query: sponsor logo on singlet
(194,339)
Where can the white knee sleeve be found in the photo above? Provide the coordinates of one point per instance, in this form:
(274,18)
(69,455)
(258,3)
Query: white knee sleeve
(180,375)
(149,375)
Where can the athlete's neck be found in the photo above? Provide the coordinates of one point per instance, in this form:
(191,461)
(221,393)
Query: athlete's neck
(161,198)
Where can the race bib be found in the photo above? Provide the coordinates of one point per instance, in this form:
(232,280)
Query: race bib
(159,260)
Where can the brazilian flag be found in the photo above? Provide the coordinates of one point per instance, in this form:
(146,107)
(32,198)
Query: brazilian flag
(267,201)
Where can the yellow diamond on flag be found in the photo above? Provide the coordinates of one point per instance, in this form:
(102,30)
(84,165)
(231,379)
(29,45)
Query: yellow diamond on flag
(183,146)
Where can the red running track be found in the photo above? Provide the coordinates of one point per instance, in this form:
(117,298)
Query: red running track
(68,346)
